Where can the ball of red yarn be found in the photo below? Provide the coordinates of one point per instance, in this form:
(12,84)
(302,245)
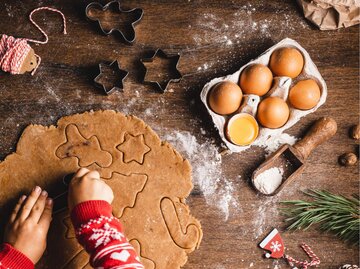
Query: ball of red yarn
(13,52)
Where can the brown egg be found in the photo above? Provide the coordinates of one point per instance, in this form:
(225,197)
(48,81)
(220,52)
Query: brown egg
(287,62)
(305,94)
(273,112)
(256,79)
(225,98)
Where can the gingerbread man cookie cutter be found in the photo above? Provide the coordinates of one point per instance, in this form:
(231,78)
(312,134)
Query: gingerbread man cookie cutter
(115,7)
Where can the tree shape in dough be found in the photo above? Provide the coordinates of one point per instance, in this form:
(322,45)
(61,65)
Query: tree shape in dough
(149,198)
(88,151)
(79,261)
(134,148)
(70,232)
(148,264)
(129,187)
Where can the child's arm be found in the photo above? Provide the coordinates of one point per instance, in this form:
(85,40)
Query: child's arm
(96,228)
(25,235)
(10,257)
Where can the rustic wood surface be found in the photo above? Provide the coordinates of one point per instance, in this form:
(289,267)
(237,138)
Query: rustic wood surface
(215,38)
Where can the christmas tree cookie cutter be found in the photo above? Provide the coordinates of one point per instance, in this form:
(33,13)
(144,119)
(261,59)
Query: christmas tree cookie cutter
(173,73)
(104,16)
(111,77)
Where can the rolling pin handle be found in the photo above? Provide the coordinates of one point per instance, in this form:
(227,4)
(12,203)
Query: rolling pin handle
(322,130)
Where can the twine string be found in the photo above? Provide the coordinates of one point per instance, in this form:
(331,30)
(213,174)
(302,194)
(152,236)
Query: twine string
(39,28)
(305,264)
(13,51)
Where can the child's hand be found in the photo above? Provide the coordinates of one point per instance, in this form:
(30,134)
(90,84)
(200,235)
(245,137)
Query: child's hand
(87,185)
(29,224)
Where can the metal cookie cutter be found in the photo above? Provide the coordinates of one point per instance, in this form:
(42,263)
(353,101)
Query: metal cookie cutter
(106,24)
(163,85)
(60,200)
(111,77)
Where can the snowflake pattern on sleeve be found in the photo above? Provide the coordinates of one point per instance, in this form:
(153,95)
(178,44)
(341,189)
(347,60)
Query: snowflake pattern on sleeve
(104,235)
(103,239)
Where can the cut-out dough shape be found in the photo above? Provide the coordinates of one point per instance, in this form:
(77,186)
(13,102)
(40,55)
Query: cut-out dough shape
(134,148)
(148,264)
(148,198)
(129,187)
(80,261)
(70,232)
(185,235)
(88,151)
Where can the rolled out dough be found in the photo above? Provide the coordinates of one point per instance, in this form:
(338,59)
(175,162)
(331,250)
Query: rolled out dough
(149,178)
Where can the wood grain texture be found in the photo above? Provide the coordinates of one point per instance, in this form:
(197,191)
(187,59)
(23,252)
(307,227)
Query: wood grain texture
(214,38)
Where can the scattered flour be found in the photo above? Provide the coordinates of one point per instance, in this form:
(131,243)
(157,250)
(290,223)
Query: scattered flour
(206,164)
(9,10)
(51,91)
(269,180)
(217,30)
(204,67)
(239,26)
(274,143)
(148,111)
(276,264)
(265,213)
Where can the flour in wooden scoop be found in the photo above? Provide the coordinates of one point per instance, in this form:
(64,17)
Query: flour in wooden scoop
(268,181)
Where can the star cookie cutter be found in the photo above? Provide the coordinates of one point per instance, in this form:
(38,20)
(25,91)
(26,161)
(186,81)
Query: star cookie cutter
(115,7)
(118,77)
(159,53)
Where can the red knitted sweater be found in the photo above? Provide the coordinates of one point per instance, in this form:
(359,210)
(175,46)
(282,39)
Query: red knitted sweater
(98,231)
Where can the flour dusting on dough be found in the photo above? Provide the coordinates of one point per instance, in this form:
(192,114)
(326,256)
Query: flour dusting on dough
(206,168)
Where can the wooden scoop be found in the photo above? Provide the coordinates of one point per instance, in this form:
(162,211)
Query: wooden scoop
(292,158)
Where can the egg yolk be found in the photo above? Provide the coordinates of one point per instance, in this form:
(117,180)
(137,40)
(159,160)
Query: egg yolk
(242,129)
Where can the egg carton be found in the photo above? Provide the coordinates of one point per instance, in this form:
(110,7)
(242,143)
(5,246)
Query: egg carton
(280,88)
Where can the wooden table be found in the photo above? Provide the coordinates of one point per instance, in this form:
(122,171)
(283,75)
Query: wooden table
(215,38)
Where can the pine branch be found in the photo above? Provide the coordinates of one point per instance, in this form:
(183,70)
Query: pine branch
(334,213)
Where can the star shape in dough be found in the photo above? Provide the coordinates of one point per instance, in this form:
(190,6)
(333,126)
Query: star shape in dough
(134,148)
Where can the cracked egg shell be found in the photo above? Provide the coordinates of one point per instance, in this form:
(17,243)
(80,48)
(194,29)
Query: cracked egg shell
(242,129)
(273,112)
(287,62)
(225,98)
(305,94)
(256,79)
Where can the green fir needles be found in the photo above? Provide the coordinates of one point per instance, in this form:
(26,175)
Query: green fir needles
(334,213)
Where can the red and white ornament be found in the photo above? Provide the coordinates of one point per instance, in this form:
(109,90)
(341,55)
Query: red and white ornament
(274,243)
